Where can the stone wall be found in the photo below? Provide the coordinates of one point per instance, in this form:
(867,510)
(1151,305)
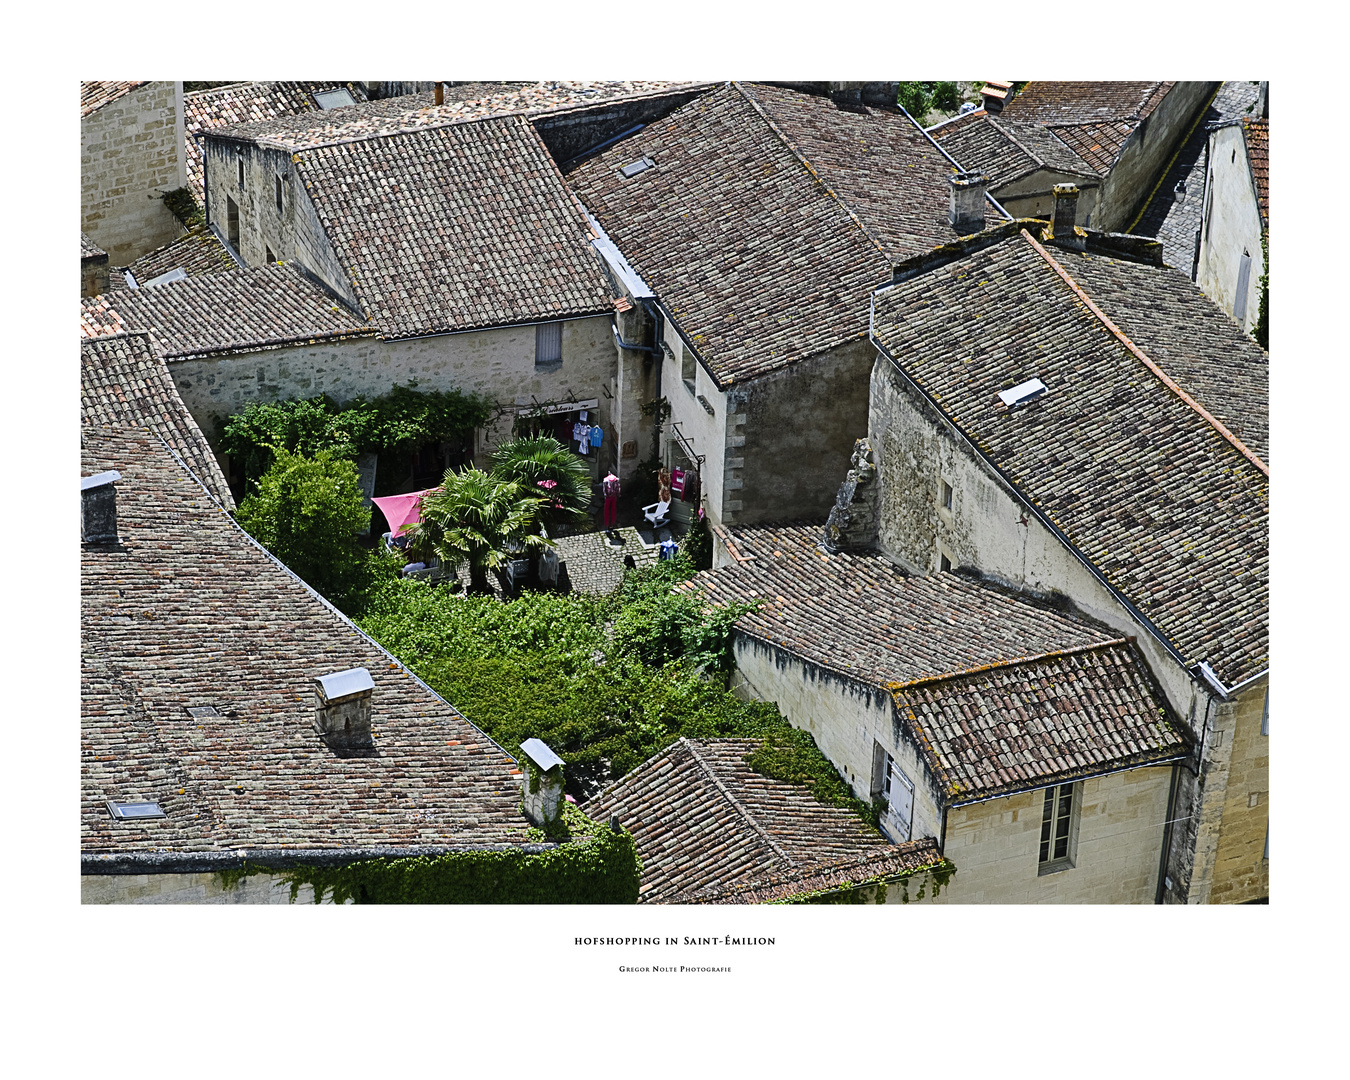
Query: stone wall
(847,718)
(990,530)
(995,846)
(130,154)
(1032,196)
(1230,226)
(293,233)
(498,363)
(1146,153)
(1241,866)
(187,889)
(573,133)
(800,424)
(715,435)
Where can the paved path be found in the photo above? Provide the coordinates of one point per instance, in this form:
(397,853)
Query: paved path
(1175,223)
(594,566)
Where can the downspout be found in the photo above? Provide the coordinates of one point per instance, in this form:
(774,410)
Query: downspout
(1167,837)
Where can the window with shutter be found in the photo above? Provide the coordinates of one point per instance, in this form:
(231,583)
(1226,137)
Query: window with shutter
(1243,283)
(548,344)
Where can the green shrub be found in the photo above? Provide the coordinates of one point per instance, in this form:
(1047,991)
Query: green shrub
(308,512)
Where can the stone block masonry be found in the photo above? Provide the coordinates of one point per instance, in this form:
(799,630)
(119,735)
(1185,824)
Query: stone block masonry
(130,154)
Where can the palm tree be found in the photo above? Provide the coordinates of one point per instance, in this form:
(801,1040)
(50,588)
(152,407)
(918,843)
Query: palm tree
(543,463)
(478,518)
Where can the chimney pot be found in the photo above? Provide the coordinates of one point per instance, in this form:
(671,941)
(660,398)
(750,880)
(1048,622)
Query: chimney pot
(1062,230)
(995,95)
(98,507)
(343,706)
(543,782)
(440,93)
(966,204)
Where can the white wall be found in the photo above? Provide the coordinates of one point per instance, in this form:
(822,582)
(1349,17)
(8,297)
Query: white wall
(1230,225)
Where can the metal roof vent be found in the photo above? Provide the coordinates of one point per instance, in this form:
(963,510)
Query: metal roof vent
(543,782)
(136,810)
(342,707)
(641,165)
(1022,393)
(98,507)
(333,99)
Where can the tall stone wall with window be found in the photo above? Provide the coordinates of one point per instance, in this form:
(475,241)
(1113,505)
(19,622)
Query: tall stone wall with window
(996,845)
(497,363)
(131,153)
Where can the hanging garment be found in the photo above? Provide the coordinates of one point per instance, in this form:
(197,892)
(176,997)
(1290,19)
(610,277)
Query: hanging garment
(576,432)
(677,481)
(597,434)
(690,493)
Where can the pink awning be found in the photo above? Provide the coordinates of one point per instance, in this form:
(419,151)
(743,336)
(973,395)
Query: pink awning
(401,510)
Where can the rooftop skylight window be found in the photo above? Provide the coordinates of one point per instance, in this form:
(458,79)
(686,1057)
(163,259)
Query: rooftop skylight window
(204,712)
(134,811)
(1022,393)
(176,274)
(333,99)
(641,165)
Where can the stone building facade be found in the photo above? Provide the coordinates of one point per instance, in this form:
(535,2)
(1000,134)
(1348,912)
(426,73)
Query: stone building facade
(131,154)
(967,481)
(878,666)
(1235,217)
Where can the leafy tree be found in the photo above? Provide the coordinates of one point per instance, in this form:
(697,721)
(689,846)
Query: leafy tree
(945,95)
(913,98)
(480,519)
(307,511)
(544,464)
(398,423)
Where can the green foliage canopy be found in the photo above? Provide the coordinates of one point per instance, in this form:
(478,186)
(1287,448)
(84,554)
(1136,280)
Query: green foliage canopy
(307,512)
(397,422)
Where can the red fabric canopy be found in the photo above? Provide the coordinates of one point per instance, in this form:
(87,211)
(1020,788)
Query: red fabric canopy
(401,510)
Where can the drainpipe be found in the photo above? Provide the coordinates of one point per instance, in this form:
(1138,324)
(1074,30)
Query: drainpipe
(942,842)
(1167,837)
(633,344)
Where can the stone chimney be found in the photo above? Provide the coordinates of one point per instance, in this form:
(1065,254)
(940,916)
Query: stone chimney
(543,782)
(342,708)
(995,95)
(98,508)
(1062,230)
(966,206)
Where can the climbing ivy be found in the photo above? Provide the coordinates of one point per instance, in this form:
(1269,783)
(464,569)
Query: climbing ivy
(591,864)
(791,754)
(394,423)
(874,890)
(183,205)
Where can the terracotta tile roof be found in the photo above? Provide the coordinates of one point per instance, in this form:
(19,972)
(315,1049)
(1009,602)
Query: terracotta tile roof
(1085,102)
(1189,338)
(704,822)
(187,611)
(786,886)
(94,95)
(89,249)
(237,311)
(198,254)
(1169,511)
(1097,144)
(1044,721)
(242,103)
(124,384)
(473,101)
(861,616)
(1005,150)
(1092,118)
(879,164)
(761,258)
(1258,153)
(473,227)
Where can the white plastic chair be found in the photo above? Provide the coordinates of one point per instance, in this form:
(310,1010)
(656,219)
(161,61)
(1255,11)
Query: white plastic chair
(657,512)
